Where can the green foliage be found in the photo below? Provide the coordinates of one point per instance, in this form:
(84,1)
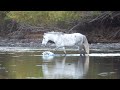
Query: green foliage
(50,18)
(3,16)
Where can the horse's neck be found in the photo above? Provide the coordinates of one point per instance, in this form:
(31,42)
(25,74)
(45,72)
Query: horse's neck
(53,38)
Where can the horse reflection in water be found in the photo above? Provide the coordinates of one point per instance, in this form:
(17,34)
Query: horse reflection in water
(66,69)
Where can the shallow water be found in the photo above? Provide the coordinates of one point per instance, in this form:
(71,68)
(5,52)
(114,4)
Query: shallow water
(28,63)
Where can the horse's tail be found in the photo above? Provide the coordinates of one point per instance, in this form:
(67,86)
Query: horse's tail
(86,45)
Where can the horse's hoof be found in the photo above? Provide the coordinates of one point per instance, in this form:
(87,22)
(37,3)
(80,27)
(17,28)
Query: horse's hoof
(65,54)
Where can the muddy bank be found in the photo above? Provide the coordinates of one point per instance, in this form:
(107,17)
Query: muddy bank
(37,43)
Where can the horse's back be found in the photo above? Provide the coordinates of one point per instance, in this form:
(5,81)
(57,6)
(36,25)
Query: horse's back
(70,39)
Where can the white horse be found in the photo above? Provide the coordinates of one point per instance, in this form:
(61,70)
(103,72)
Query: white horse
(62,40)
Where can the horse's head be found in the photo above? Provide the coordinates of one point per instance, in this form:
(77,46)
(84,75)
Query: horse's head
(45,39)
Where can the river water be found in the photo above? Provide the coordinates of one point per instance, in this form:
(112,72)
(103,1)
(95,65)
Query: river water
(29,63)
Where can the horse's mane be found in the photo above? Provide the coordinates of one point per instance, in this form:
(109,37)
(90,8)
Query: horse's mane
(54,32)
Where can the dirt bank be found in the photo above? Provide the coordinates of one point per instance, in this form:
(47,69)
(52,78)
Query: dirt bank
(37,44)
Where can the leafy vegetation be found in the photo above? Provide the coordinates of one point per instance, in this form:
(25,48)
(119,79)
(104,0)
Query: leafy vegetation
(62,19)
(27,23)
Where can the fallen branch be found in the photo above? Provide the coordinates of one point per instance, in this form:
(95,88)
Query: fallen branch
(73,27)
(115,35)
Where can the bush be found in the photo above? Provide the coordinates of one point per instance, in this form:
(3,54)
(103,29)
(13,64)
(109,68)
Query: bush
(62,19)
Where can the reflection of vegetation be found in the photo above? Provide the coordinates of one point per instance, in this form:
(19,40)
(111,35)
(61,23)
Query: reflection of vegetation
(24,67)
(101,65)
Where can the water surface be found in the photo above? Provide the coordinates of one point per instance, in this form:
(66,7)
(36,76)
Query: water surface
(28,63)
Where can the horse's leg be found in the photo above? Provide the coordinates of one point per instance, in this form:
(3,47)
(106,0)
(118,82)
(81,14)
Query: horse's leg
(81,51)
(84,50)
(60,47)
(64,50)
(57,47)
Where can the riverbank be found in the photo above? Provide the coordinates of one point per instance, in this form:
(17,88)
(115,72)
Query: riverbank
(37,44)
